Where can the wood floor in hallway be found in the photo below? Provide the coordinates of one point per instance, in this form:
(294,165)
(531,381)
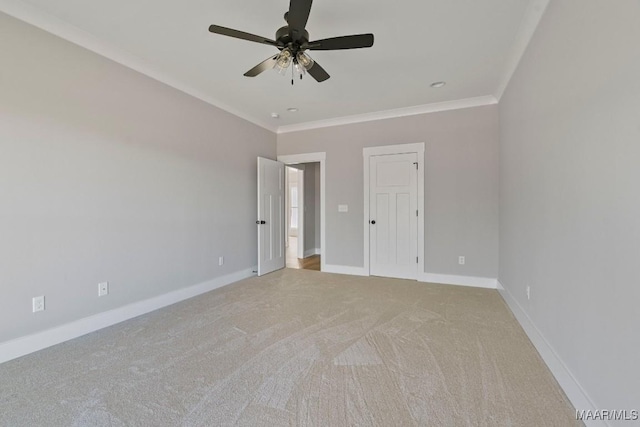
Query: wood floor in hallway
(308,263)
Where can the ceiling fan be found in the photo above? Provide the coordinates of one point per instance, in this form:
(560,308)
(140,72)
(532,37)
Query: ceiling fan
(293,40)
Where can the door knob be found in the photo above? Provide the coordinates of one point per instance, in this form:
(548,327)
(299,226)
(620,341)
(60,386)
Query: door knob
(373,222)
(261,222)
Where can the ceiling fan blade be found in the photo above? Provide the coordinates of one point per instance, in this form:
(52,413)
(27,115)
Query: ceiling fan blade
(356,41)
(317,72)
(297,17)
(263,66)
(216,29)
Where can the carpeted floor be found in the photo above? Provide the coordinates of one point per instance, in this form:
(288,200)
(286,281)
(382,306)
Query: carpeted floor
(296,347)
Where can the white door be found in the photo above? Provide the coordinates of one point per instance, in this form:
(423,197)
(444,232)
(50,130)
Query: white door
(393,211)
(271,216)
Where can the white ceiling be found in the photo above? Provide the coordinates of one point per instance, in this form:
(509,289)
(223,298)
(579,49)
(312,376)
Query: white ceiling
(469,44)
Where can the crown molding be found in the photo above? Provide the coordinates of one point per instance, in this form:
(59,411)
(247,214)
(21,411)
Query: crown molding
(528,25)
(49,23)
(392,114)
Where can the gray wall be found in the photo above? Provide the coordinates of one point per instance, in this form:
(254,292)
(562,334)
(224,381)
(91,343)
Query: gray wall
(311,206)
(108,175)
(461,185)
(569,199)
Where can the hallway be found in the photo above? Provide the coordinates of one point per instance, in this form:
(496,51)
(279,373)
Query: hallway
(309,263)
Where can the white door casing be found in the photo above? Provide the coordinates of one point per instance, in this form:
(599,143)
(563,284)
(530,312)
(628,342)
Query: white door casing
(393,215)
(294,159)
(271,216)
(301,210)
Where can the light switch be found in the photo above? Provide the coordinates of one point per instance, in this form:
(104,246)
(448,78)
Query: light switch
(343,208)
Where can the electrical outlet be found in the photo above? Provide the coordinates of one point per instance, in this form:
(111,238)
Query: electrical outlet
(38,303)
(103,289)
(528,293)
(221,260)
(461,260)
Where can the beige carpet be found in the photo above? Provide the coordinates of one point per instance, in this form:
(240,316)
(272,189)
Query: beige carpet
(296,347)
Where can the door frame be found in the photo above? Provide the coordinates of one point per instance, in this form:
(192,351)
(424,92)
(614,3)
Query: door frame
(367,153)
(301,236)
(320,157)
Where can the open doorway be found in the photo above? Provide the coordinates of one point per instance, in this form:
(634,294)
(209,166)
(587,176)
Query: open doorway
(303,216)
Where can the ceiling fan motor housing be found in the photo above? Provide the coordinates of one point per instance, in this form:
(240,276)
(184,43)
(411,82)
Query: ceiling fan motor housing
(284,39)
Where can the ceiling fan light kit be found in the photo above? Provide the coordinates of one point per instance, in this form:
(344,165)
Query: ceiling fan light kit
(293,40)
(283,60)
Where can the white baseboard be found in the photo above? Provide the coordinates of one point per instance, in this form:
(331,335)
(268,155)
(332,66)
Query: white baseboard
(311,252)
(450,279)
(446,279)
(28,344)
(572,388)
(345,269)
